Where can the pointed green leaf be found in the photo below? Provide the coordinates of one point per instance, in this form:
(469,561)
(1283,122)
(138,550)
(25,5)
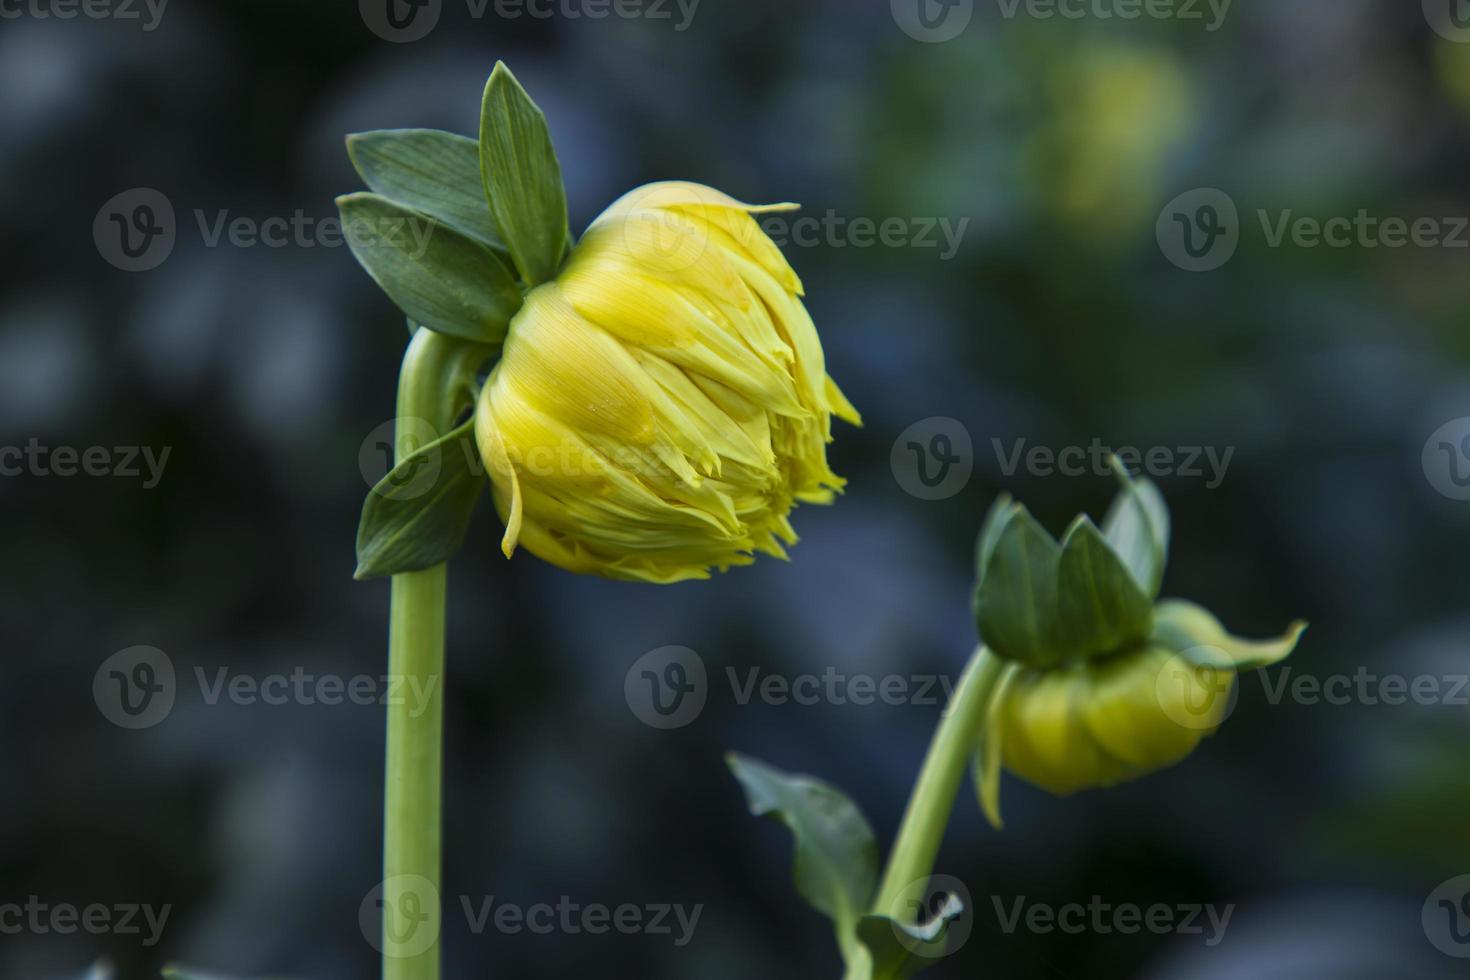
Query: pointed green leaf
(1137,526)
(1016,603)
(995,521)
(416,517)
(836,855)
(522,177)
(1102,609)
(433,172)
(1181,626)
(899,950)
(437,276)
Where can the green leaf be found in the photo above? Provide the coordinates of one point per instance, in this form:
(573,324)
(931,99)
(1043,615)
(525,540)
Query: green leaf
(996,519)
(1182,626)
(1016,603)
(431,171)
(1137,526)
(440,278)
(836,866)
(522,177)
(416,517)
(900,950)
(1101,609)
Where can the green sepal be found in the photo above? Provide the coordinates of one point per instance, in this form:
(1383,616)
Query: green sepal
(522,178)
(416,517)
(433,172)
(1137,527)
(1101,608)
(899,950)
(1016,602)
(836,860)
(438,277)
(1184,626)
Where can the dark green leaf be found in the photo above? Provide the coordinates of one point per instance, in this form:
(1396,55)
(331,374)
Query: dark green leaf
(522,177)
(836,855)
(1137,526)
(1101,608)
(899,950)
(416,517)
(1016,603)
(437,276)
(995,521)
(432,172)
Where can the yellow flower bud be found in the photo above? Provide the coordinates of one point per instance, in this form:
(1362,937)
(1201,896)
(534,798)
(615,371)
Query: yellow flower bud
(662,404)
(1091,724)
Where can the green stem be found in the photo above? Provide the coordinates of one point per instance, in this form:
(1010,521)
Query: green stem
(922,830)
(436,384)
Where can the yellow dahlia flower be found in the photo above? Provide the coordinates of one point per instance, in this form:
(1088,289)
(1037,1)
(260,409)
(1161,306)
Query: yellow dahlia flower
(662,404)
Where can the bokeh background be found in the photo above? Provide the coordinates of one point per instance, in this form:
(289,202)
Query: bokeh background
(1059,319)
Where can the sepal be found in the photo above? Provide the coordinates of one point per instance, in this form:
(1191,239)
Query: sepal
(416,517)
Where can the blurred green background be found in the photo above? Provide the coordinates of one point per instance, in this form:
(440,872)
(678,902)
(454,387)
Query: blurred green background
(1065,314)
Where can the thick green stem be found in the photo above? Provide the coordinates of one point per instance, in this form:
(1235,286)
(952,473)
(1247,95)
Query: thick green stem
(435,385)
(922,830)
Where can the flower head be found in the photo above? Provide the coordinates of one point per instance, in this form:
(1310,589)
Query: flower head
(1100,684)
(662,404)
